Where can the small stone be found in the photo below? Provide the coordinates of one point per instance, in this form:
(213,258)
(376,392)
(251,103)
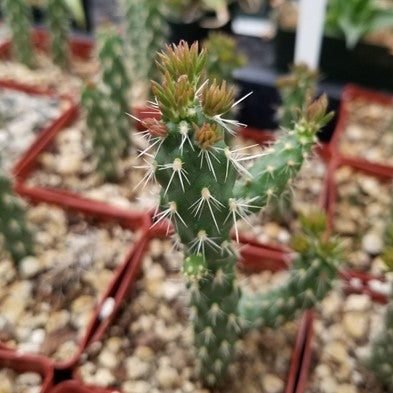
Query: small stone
(38,336)
(57,320)
(372,243)
(272,384)
(144,353)
(357,303)
(167,377)
(136,387)
(29,379)
(337,351)
(346,388)
(29,267)
(136,368)
(328,385)
(104,378)
(108,359)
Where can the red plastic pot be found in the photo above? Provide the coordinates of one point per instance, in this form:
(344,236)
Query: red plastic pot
(350,93)
(80,47)
(115,290)
(26,363)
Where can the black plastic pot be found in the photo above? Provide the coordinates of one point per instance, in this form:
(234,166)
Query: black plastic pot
(367,64)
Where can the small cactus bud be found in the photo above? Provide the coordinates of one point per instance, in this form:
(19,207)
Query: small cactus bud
(316,111)
(156,128)
(216,99)
(207,135)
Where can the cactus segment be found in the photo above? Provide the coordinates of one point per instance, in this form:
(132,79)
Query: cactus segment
(18,18)
(15,235)
(59,27)
(115,78)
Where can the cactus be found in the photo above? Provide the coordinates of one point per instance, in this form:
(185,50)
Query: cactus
(294,88)
(207,187)
(59,26)
(107,141)
(15,235)
(145,34)
(115,78)
(18,18)
(223,57)
(381,359)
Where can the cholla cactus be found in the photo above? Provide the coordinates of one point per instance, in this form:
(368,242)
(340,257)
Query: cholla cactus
(107,141)
(18,18)
(114,76)
(294,88)
(59,26)
(14,233)
(207,187)
(381,359)
(223,58)
(145,34)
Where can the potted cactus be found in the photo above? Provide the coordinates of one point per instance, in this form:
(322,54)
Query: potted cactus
(207,187)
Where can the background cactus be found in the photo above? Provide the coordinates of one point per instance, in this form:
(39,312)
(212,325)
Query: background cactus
(206,188)
(108,143)
(381,359)
(223,57)
(18,18)
(116,81)
(145,33)
(59,26)
(14,234)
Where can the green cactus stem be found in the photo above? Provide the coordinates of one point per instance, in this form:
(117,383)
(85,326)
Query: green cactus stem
(107,141)
(145,34)
(381,359)
(207,187)
(312,274)
(14,234)
(59,27)
(294,89)
(115,78)
(18,18)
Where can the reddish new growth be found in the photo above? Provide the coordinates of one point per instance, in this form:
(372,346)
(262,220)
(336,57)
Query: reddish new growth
(156,128)
(207,135)
(216,99)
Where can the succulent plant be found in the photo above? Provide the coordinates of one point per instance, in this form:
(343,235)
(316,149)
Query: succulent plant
(116,81)
(14,233)
(59,26)
(223,57)
(108,143)
(294,88)
(18,18)
(145,34)
(207,187)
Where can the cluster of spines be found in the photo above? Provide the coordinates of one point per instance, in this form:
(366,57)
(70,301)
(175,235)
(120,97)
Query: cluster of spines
(107,141)
(116,81)
(198,174)
(15,234)
(18,17)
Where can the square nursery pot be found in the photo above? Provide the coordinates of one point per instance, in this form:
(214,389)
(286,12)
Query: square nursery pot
(19,132)
(370,135)
(367,64)
(254,259)
(358,206)
(361,294)
(101,307)
(28,365)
